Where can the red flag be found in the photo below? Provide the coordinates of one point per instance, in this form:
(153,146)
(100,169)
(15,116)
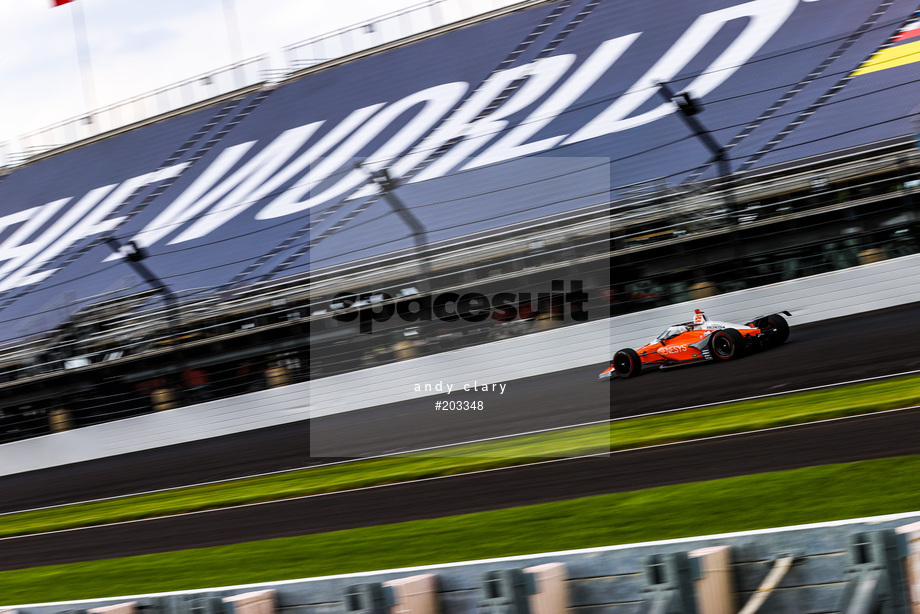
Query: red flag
(61,2)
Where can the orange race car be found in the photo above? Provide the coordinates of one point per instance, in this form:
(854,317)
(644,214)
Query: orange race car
(699,341)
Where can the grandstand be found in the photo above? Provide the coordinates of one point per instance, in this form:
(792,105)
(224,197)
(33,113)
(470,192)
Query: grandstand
(221,314)
(542,152)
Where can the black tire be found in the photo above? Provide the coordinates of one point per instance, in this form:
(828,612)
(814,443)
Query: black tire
(726,344)
(779,330)
(627,363)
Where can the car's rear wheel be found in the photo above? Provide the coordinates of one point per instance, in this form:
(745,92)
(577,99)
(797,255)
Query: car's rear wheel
(627,363)
(775,330)
(726,344)
(780,329)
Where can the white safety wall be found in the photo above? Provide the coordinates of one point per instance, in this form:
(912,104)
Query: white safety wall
(831,295)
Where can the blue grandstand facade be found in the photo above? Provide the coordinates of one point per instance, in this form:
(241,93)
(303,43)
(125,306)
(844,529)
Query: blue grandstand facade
(491,124)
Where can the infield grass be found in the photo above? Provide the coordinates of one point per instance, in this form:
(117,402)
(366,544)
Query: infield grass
(619,435)
(814,494)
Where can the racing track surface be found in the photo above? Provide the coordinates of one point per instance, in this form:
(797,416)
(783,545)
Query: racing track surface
(816,354)
(878,435)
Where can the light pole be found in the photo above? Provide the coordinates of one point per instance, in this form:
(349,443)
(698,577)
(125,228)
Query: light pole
(689,108)
(134,255)
(388,187)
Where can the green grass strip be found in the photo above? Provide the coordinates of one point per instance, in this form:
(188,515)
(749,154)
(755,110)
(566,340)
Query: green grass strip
(620,435)
(813,494)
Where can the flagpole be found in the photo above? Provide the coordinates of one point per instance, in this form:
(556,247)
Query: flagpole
(86,66)
(233,35)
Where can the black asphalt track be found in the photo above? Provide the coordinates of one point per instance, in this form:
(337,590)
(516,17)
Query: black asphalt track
(873,436)
(855,347)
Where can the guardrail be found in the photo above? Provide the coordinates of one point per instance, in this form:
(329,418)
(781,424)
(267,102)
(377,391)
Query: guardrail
(127,112)
(384,29)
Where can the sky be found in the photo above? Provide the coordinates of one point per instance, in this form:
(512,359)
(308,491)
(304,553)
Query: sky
(136,46)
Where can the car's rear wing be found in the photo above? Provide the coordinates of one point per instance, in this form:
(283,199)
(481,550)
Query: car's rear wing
(785,313)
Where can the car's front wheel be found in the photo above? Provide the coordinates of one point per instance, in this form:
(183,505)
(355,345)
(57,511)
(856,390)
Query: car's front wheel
(627,363)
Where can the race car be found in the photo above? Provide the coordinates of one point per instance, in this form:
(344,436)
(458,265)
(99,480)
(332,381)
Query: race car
(701,340)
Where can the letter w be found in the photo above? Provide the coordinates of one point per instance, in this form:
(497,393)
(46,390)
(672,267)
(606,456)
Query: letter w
(202,194)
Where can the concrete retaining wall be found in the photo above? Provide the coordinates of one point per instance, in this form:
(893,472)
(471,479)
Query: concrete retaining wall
(821,297)
(600,580)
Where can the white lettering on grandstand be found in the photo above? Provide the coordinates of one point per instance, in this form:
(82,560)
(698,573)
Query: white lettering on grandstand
(317,151)
(256,187)
(281,182)
(456,122)
(15,251)
(83,220)
(766,17)
(246,185)
(436,102)
(512,144)
(191,202)
(475,131)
